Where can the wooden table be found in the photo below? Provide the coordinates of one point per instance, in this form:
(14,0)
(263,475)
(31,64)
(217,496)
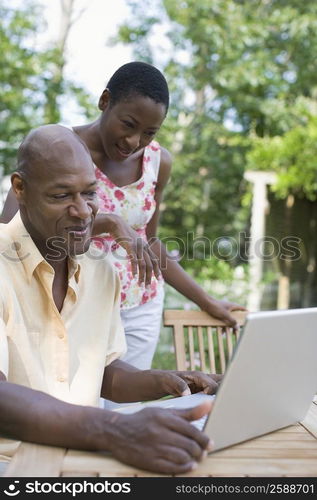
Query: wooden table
(290,452)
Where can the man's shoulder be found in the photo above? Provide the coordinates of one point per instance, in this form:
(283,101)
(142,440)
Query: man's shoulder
(13,237)
(12,231)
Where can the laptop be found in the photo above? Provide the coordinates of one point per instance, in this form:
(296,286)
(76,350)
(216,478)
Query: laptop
(269,383)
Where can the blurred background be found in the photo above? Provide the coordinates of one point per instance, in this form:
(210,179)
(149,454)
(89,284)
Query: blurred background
(240,210)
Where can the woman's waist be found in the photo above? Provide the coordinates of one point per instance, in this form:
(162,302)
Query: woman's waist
(133,294)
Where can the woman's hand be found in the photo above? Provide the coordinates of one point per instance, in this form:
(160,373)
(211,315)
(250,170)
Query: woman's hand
(143,260)
(221,309)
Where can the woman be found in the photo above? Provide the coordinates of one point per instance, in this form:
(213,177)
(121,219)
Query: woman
(132,171)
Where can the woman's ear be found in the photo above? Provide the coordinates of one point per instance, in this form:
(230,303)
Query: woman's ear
(104,100)
(18,186)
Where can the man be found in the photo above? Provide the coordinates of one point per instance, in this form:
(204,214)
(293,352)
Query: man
(60,330)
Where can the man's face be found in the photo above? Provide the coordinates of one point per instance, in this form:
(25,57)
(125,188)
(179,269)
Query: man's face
(59,204)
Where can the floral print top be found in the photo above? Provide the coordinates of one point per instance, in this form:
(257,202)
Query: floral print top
(135,204)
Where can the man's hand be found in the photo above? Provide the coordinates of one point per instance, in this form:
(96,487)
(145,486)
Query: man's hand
(221,309)
(143,260)
(124,383)
(161,440)
(183,383)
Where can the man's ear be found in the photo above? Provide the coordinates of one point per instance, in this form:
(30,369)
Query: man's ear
(18,186)
(104,100)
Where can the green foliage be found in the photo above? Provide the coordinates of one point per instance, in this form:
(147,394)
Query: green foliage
(251,54)
(30,87)
(164,358)
(242,76)
(293,157)
(20,83)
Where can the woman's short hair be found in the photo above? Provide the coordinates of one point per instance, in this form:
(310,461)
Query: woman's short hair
(138,78)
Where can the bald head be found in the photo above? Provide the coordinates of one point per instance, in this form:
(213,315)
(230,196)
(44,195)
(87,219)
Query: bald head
(55,186)
(49,146)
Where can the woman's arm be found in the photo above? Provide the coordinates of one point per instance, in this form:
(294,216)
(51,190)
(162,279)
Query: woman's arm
(172,272)
(179,279)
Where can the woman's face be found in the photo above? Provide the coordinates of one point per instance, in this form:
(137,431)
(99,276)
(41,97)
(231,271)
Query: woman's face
(129,125)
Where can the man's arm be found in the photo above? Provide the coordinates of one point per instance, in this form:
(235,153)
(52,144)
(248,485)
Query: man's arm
(35,416)
(123,382)
(154,439)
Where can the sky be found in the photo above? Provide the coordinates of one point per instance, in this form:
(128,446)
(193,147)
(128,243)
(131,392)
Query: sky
(90,62)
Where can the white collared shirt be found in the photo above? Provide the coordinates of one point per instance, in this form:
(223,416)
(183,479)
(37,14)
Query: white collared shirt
(61,353)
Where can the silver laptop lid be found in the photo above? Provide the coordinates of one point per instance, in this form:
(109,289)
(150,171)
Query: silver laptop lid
(271,379)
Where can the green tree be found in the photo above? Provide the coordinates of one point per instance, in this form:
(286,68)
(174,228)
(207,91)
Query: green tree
(29,89)
(240,72)
(293,203)
(293,156)
(20,83)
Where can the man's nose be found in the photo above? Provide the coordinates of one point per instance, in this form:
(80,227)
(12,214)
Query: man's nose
(80,208)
